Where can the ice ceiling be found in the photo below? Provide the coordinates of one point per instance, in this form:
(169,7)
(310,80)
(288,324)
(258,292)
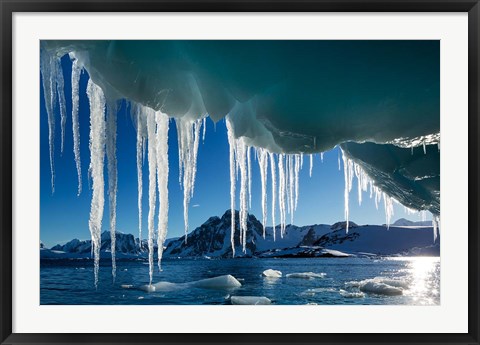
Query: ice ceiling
(378,100)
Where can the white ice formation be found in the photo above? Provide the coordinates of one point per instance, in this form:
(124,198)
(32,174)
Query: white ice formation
(270,273)
(97,155)
(383,145)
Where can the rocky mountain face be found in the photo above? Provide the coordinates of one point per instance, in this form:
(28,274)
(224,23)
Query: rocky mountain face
(212,238)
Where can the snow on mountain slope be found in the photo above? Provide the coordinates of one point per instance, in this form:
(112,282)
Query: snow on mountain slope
(406,222)
(377,239)
(212,239)
(126,246)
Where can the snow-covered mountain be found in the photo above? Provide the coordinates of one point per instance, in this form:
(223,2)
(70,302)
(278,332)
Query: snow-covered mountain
(381,240)
(126,247)
(212,239)
(406,222)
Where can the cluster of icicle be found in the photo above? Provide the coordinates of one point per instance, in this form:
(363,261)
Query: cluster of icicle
(287,189)
(152,142)
(365,183)
(152,136)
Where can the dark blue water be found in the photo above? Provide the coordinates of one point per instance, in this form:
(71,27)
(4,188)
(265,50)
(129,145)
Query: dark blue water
(71,281)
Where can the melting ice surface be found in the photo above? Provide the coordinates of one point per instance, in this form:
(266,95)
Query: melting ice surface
(370,108)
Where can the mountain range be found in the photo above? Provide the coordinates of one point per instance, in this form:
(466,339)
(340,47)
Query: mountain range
(212,240)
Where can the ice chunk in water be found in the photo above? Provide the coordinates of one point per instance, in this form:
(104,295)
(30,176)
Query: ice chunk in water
(306,275)
(221,282)
(377,287)
(347,294)
(250,300)
(271,273)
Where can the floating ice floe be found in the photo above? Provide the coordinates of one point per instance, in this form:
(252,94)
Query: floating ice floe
(272,273)
(348,294)
(380,286)
(250,300)
(221,282)
(306,275)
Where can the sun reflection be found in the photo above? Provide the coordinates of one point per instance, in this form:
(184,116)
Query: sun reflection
(423,276)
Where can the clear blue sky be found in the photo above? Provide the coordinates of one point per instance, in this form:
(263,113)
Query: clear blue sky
(64,216)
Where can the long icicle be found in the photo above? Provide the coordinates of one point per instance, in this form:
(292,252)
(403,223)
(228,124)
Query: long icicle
(47,67)
(249,168)
(61,101)
(140,156)
(75,122)
(97,154)
(274,191)
(263,164)
(297,180)
(152,186)
(231,144)
(162,122)
(242,161)
(111,144)
(347,188)
(282,195)
(291,185)
(188,132)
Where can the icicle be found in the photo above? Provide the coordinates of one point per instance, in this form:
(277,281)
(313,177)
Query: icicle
(411,151)
(47,66)
(301,160)
(242,162)
(263,164)
(287,181)
(249,166)
(423,215)
(111,144)
(362,180)
(274,191)
(378,196)
(348,182)
(388,202)
(204,124)
(162,122)
(424,148)
(140,157)
(282,193)
(152,184)
(291,185)
(436,227)
(311,165)
(75,123)
(231,143)
(297,181)
(61,100)
(321,156)
(97,154)
(188,139)
(339,168)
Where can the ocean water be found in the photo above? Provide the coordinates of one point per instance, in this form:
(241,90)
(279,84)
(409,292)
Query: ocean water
(362,281)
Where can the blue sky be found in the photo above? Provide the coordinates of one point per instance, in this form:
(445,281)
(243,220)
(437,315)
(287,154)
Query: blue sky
(64,216)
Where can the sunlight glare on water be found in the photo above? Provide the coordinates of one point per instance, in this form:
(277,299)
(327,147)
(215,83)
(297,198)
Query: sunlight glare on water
(423,278)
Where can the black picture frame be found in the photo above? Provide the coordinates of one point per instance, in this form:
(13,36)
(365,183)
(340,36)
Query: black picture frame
(8,7)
